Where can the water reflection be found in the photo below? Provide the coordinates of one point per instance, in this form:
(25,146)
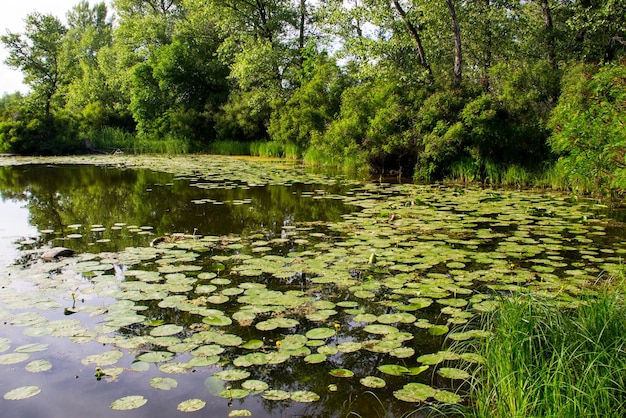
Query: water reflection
(14,226)
(90,208)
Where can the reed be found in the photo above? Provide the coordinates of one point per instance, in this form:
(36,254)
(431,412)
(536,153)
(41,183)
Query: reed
(546,361)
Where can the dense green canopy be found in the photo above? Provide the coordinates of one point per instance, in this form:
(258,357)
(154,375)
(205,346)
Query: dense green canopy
(489,90)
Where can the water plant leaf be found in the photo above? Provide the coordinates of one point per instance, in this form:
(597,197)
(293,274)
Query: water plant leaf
(436,358)
(13,358)
(414,392)
(394,369)
(447,397)
(252,345)
(232,374)
(315,358)
(254,385)
(438,330)
(341,373)
(275,395)
(23,392)
(234,393)
(191,405)
(31,348)
(452,373)
(37,366)
(163,383)
(239,413)
(128,402)
(166,330)
(155,356)
(304,396)
(372,382)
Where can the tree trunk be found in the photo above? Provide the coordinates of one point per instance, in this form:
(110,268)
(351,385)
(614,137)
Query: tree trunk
(458,55)
(415,34)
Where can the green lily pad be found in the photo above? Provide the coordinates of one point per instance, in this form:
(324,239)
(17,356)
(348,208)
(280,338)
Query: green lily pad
(320,333)
(239,413)
(452,373)
(254,385)
(315,358)
(232,375)
(217,320)
(414,392)
(14,358)
(163,383)
(394,369)
(373,382)
(436,358)
(380,329)
(191,405)
(234,393)
(447,397)
(38,366)
(156,356)
(304,396)
(31,348)
(252,345)
(275,395)
(341,373)
(166,330)
(129,402)
(23,392)
(438,330)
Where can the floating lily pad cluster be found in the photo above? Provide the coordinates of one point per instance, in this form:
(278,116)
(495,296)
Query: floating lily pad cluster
(367,303)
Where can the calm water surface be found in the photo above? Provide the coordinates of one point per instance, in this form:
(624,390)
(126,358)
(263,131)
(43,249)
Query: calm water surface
(261,252)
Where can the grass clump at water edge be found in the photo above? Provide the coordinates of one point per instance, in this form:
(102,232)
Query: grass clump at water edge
(546,361)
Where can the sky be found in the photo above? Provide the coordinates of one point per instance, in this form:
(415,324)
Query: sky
(12,19)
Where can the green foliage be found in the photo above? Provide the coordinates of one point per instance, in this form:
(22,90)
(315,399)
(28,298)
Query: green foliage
(311,108)
(588,127)
(549,361)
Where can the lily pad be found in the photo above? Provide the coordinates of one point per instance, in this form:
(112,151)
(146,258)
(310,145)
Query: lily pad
(163,383)
(165,330)
(254,385)
(239,413)
(320,333)
(394,369)
(234,393)
(275,395)
(414,392)
(304,396)
(452,373)
(23,392)
(191,405)
(129,402)
(341,373)
(232,375)
(373,382)
(447,397)
(38,366)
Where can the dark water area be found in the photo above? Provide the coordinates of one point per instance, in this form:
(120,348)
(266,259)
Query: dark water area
(141,204)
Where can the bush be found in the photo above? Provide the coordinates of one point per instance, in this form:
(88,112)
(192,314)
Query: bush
(588,127)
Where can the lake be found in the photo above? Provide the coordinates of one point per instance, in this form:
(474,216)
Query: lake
(242,287)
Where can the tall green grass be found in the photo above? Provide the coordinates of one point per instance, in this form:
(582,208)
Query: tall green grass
(111,139)
(229,148)
(545,361)
(268,149)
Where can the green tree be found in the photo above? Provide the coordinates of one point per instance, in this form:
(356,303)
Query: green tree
(37,53)
(588,127)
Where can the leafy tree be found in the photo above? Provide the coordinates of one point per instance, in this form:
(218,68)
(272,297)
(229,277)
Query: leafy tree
(37,53)
(588,126)
(312,107)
